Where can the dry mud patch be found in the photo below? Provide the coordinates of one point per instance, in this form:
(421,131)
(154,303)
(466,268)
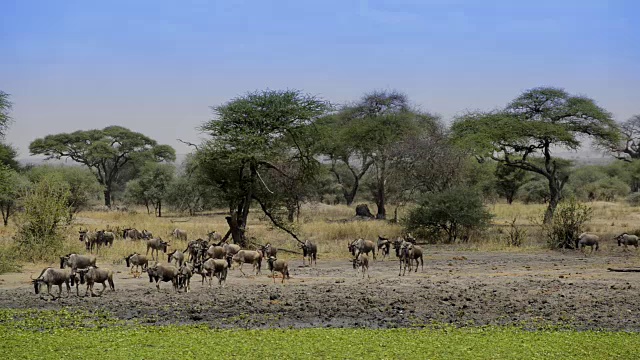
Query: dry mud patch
(457,287)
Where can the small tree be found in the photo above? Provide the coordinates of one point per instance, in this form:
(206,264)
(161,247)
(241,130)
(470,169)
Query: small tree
(508,180)
(5,108)
(41,224)
(152,186)
(12,185)
(563,231)
(451,211)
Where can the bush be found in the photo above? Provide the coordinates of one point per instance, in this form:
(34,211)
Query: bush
(634,199)
(516,234)
(567,224)
(8,260)
(536,191)
(453,211)
(41,224)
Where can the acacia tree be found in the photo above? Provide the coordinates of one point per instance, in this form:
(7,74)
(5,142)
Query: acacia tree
(531,127)
(251,137)
(5,108)
(105,151)
(508,180)
(628,149)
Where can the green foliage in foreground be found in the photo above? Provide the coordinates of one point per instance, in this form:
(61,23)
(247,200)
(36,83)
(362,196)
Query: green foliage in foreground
(58,335)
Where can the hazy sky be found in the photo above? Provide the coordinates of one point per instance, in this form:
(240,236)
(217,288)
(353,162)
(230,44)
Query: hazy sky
(156,66)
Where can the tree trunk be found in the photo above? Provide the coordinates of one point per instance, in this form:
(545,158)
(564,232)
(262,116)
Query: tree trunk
(159,208)
(107,197)
(236,230)
(5,215)
(554,199)
(291,213)
(510,198)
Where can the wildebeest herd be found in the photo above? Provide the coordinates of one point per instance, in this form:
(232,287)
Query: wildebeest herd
(214,257)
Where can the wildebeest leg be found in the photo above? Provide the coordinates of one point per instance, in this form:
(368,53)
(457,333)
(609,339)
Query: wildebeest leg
(243,274)
(68,288)
(400,271)
(104,287)
(59,291)
(274,276)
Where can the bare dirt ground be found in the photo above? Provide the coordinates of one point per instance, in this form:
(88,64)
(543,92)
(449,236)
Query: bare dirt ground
(458,287)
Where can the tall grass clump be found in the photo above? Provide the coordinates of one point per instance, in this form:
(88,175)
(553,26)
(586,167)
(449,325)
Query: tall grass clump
(41,225)
(567,224)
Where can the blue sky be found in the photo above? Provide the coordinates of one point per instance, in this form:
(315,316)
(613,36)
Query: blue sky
(157,66)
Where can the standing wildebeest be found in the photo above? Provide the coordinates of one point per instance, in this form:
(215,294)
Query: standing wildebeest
(213,267)
(413,253)
(105,238)
(90,239)
(161,272)
(137,260)
(215,252)
(361,262)
(179,234)
(248,257)
(268,251)
(309,250)
(384,245)
(626,240)
(176,255)
(586,239)
(51,276)
(185,272)
(94,275)
(278,265)
(75,261)
(230,249)
(155,245)
(197,250)
(132,234)
(361,245)
(214,237)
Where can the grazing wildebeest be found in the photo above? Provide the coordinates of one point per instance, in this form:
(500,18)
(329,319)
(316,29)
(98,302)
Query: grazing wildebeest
(155,245)
(626,240)
(93,275)
(162,272)
(361,245)
(309,250)
(176,255)
(214,237)
(51,276)
(137,260)
(586,239)
(132,234)
(179,234)
(75,261)
(384,245)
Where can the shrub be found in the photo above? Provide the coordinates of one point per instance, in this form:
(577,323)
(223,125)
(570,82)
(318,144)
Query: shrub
(516,234)
(567,224)
(634,199)
(41,224)
(453,211)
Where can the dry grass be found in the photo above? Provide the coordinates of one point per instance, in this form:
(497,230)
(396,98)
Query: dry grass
(317,222)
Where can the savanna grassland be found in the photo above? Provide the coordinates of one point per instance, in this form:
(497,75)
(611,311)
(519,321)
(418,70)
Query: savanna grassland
(481,299)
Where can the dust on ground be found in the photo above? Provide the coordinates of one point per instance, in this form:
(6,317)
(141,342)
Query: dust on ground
(456,287)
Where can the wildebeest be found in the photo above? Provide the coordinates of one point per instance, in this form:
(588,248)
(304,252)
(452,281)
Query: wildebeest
(179,234)
(146,234)
(412,253)
(213,267)
(105,238)
(384,245)
(626,240)
(176,255)
(197,250)
(132,234)
(309,250)
(361,262)
(361,245)
(156,245)
(268,251)
(230,249)
(278,265)
(90,239)
(184,276)
(75,261)
(93,275)
(215,252)
(137,260)
(165,273)
(586,239)
(51,276)
(248,257)
(214,237)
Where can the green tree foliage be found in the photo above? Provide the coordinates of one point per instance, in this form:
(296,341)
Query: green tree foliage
(12,186)
(105,151)
(81,183)
(534,191)
(378,122)
(152,186)
(532,126)
(453,211)
(5,108)
(508,180)
(41,224)
(258,142)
